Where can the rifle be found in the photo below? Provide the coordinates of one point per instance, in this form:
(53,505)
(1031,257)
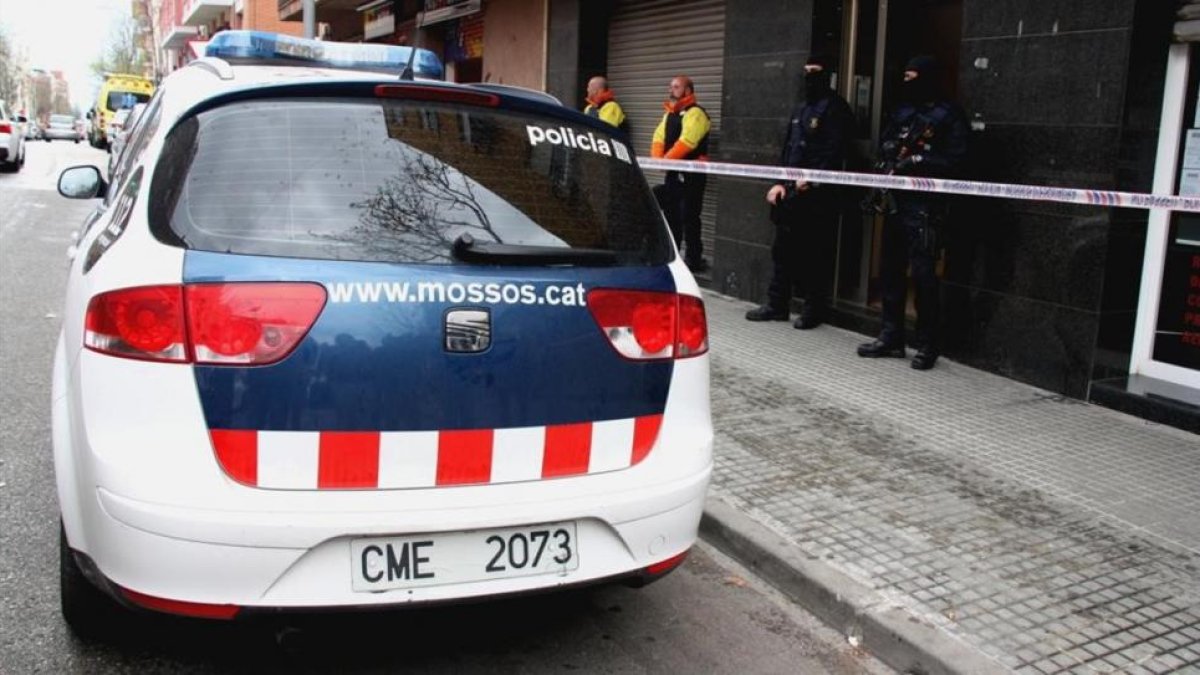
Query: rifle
(898,153)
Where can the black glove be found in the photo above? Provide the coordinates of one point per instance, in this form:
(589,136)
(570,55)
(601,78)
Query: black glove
(905,165)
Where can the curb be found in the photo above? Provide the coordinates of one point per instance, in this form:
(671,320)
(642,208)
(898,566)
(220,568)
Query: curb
(892,634)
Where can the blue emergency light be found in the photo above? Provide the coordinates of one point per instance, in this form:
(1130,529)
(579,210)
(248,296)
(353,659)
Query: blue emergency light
(252,46)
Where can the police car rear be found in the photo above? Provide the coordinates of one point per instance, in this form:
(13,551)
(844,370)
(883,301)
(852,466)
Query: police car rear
(347,341)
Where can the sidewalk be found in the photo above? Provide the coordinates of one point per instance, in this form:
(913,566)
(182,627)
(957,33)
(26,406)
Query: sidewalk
(952,520)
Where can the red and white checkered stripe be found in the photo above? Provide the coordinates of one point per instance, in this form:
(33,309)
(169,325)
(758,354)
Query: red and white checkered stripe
(339,460)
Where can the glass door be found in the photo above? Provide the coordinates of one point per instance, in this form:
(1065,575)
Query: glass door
(1167,337)
(876,39)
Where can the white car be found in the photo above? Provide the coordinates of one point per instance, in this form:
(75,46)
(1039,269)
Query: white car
(62,128)
(450,352)
(12,140)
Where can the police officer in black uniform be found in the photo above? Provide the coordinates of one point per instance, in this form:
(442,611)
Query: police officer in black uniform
(805,214)
(926,136)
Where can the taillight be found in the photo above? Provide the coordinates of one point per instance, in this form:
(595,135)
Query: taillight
(250,323)
(237,323)
(646,325)
(138,323)
(436,94)
(5,128)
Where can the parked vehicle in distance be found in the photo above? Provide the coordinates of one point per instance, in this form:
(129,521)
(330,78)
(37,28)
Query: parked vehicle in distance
(12,140)
(61,128)
(118,91)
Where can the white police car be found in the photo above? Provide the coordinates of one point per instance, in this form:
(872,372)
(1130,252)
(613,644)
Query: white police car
(446,351)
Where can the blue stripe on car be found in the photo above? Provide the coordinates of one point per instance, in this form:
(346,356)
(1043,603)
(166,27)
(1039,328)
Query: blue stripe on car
(382,366)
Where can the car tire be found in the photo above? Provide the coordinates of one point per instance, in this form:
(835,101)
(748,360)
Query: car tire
(89,613)
(47,139)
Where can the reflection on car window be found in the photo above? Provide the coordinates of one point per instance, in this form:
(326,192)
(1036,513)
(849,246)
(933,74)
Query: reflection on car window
(136,145)
(125,99)
(393,181)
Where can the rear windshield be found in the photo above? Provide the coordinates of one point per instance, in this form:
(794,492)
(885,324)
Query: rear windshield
(62,119)
(398,181)
(125,99)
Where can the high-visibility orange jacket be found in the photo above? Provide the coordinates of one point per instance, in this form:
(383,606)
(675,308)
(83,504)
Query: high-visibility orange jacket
(606,108)
(683,131)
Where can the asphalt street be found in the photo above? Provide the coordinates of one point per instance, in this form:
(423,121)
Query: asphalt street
(710,616)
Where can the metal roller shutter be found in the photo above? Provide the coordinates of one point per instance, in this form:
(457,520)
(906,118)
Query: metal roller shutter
(651,41)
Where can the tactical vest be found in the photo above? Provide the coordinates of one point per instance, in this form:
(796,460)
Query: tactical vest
(674,129)
(794,154)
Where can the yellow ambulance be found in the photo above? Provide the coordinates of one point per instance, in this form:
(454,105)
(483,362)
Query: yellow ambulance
(118,91)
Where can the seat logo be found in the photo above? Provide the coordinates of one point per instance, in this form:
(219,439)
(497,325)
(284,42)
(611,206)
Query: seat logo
(468,331)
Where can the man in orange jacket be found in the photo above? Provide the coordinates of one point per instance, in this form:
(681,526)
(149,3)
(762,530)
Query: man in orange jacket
(602,104)
(683,134)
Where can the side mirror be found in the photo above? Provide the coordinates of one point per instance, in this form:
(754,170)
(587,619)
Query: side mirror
(21,119)
(89,114)
(81,182)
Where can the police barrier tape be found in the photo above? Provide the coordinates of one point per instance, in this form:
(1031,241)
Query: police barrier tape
(941,185)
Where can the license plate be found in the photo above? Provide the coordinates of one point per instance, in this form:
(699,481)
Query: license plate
(386,563)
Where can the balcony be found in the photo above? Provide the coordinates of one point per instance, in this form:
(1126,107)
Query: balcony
(293,10)
(201,12)
(177,36)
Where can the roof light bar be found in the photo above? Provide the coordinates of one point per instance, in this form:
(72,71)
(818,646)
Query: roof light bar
(251,46)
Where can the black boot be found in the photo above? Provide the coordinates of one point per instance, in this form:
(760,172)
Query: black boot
(924,359)
(878,348)
(767,313)
(810,317)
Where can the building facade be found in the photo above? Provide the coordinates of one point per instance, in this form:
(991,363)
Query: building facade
(183,26)
(1058,93)
(501,41)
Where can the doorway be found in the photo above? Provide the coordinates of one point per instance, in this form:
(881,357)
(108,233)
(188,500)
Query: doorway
(870,41)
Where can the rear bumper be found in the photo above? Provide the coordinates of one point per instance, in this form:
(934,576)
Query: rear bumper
(168,552)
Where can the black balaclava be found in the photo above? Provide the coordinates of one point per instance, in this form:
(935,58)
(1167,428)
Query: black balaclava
(817,85)
(923,88)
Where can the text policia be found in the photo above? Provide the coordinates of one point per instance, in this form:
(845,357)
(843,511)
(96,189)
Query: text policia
(568,137)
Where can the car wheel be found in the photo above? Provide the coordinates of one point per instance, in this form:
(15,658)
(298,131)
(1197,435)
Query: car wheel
(87,610)
(47,139)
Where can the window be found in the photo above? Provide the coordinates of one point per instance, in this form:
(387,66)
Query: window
(125,99)
(136,145)
(399,182)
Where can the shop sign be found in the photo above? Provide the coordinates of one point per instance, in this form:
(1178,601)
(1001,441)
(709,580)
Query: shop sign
(437,11)
(378,20)
(465,39)
(1177,339)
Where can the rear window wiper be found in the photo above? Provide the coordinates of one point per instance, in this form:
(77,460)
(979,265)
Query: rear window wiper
(468,250)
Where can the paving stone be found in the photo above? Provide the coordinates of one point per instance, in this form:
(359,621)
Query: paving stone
(1047,525)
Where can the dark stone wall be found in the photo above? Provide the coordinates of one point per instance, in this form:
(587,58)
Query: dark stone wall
(578,47)
(1061,93)
(766,44)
